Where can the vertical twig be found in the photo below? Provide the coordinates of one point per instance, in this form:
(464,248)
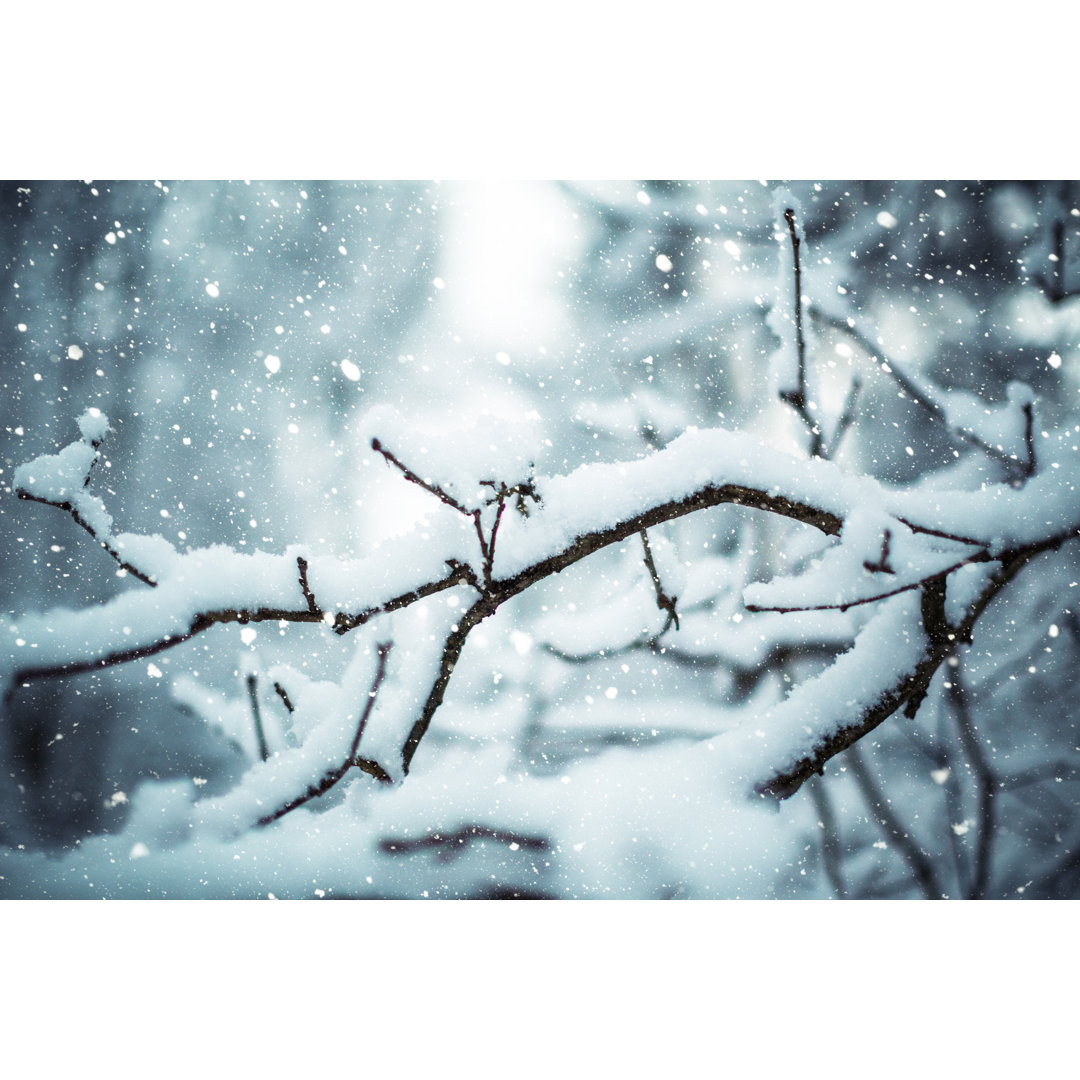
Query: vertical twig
(984,776)
(380,672)
(256,715)
(831,855)
(1029,440)
(663,601)
(797,398)
(305,588)
(916,858)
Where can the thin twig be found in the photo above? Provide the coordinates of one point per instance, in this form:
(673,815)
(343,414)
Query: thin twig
(305,588)
(921,866)
(384,652)
(882,565)
(79,520)
(283,694)
(256,716)
(978,557)
(663,601)
(1029,438)
(413,478)
(797,398)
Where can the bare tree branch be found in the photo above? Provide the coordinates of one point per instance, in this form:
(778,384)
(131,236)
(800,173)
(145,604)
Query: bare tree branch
(256,716)
(663,601)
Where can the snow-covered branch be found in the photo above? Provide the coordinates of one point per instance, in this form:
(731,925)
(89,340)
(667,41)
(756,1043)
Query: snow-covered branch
(909,542)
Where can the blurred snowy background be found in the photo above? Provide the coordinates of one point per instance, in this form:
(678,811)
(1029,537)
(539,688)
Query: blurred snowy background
(236,334)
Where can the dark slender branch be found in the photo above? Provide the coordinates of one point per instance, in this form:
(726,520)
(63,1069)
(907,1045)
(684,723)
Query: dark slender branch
(484,607)
(283,694)
(663,601)
(709,495)
(79,520)
(380,672)
(914,856)
(786,783)
(1029,439)
(746,676)
(487,553)
(413,478)
(914,527)
(256,716)
(458,574)
(500,507)
(882,565)
(798,397)
(332,776)
(450,845)
(978,557)
(305,588)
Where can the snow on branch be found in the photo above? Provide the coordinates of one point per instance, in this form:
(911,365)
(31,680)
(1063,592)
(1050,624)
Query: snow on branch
(897,549)
(62,480)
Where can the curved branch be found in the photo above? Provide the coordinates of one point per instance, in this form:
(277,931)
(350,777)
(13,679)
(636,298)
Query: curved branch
(173,627)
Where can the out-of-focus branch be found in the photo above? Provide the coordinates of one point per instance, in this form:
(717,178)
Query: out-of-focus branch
(922,399)
(448,846)
(984,776)
(832,857)
(256,717)
(917,859)
(847,418)
(330,778)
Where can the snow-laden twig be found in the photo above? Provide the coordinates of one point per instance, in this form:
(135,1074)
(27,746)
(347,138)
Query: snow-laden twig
(62,480)
(889,667)
(926,398)
(352,760)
